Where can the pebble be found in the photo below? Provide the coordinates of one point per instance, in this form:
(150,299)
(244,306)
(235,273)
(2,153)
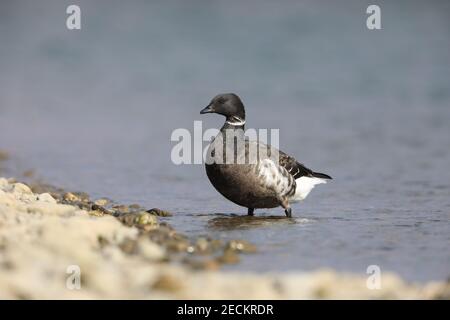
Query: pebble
(177,245)
(96,207)
(96,213)
(241,246)
(127,219)
(159,212)
(167,282)
(202,245)
(3,183)
(144,218)
(121,208)
(70,197)
(83,196)
(151,250)
(46,197)
(205,264)
(21,188)
(102,202)
(190,249)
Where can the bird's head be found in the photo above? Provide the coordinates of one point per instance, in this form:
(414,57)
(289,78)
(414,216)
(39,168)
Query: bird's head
(228,105)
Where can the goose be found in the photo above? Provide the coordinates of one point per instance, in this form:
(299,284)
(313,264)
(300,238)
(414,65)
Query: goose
(272,179)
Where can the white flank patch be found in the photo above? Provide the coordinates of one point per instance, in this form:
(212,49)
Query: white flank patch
(270,174)
(304,187)
(267,170)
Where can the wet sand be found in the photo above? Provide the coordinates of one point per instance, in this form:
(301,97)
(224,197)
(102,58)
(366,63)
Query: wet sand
(127,252)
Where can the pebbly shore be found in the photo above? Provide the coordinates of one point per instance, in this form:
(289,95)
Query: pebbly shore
(126,252)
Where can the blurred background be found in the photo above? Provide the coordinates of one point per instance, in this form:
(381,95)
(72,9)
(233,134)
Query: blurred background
(94,109)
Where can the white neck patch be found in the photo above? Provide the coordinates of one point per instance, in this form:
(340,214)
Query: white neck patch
(238,122)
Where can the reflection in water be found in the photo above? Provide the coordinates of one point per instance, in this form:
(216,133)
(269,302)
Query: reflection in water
(233,221)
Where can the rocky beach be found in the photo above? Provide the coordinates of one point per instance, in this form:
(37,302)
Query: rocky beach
(128,252)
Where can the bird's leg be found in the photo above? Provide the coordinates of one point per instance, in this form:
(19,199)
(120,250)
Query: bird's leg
(287,209)
(250,211)
(288,212)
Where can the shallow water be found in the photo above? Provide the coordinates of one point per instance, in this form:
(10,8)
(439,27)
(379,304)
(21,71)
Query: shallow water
(93,110)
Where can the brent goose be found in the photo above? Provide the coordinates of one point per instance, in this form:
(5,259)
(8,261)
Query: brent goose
(273,179)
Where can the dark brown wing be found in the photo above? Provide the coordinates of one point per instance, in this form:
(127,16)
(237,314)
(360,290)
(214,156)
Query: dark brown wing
(295,168)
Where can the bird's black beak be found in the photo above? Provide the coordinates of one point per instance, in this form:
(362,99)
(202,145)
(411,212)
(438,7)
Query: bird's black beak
(207,109)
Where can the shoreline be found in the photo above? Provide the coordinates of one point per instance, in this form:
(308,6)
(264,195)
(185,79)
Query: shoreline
(136,256)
